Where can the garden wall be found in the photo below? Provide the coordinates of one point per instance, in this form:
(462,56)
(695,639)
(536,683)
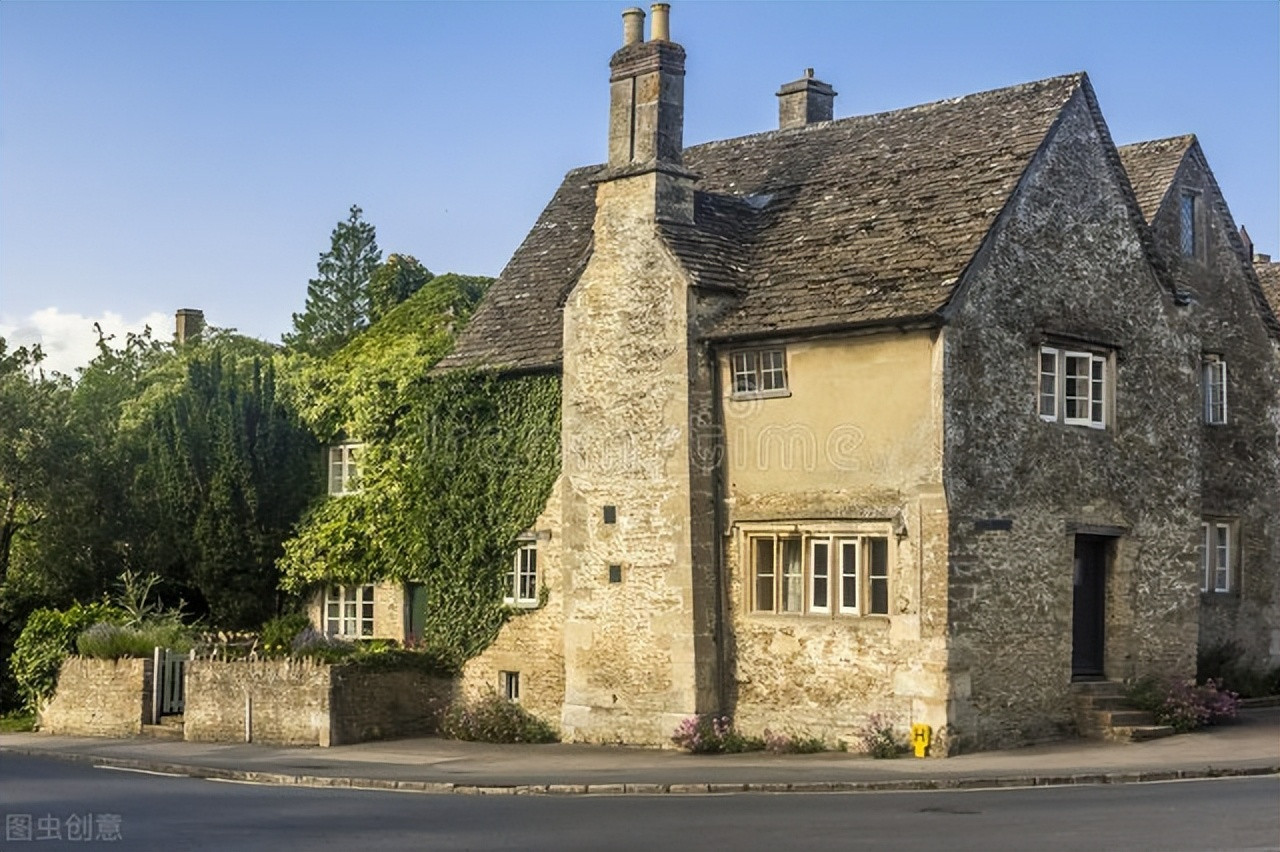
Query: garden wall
(99,698)
(300,702)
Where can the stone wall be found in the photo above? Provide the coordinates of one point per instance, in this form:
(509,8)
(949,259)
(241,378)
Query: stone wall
(99,698)
(300,702)
(1065,265)
(531,643)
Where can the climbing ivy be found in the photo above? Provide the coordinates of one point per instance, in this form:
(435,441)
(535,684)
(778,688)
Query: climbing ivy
(454,467)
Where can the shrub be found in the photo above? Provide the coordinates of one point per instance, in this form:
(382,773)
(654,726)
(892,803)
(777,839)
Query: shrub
(1184,705)
(109,641)
(278,633)
(777,743)
(494,719)
(48,638)
(712,734)
(880,740)
(1227,664)
(315,645)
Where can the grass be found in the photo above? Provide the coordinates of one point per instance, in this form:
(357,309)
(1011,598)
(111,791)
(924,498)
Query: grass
(17,722)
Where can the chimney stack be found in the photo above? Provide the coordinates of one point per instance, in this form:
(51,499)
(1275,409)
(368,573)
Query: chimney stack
(1248,242)
(805,101)
(189,322)
(646,94)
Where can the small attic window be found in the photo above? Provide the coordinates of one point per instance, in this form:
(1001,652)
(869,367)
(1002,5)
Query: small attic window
(1187,224)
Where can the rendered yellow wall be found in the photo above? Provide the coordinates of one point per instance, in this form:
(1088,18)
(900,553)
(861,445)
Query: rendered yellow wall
(855,448)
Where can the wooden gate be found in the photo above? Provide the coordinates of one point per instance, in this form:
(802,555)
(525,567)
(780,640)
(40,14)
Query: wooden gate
(170,681)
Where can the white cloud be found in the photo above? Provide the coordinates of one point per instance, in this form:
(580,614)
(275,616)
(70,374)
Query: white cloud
(69,341)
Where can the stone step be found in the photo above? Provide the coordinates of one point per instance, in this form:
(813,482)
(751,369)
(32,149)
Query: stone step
(174,721)
(162,732)
(1124,718)
(1150,732)
(1097,687)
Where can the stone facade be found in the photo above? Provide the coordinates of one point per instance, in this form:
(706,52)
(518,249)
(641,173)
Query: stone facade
(99,698)
(390,611)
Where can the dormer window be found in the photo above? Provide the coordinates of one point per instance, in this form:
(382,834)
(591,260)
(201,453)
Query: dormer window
(1189,238)
(760,373)
(344,468)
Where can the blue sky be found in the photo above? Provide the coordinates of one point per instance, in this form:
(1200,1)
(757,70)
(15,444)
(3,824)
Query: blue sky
(164,155)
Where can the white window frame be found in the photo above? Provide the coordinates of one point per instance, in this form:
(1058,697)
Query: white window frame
(521,587)
(1077,390)
(758,373)
(348,611)
(1217,555)
(344,468)
(835,577)
(1213,383)
(509,683)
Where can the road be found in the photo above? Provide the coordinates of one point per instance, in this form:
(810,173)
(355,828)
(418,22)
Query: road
(176,812)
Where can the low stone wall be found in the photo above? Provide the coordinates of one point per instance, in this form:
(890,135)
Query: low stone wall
(99,698)
(299,702)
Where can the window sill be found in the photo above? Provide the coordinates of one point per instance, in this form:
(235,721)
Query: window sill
(772,394)
(515,604)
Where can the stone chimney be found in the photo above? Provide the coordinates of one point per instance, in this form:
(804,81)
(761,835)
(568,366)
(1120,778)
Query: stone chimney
(804,102)
(646,94)
(189,323)
(1248,242)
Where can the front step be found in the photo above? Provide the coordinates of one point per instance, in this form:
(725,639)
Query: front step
(1102,712)
(162,732)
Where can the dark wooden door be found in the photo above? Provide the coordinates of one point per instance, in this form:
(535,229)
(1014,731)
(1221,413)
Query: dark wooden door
(1088,621)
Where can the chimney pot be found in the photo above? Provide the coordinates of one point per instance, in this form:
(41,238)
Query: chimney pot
(661,27)
(632,26)
(189,323)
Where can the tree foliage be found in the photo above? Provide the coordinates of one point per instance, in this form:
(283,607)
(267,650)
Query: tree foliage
(338,299)
(398,278)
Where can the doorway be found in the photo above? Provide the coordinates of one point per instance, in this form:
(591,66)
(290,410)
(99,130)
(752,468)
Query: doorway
(1088,608)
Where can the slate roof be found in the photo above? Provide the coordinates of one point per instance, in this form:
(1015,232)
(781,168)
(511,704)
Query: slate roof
(856,221)
(1151,167)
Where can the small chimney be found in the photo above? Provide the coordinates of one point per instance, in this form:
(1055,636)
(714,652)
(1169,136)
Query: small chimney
(189,322)
(805,101)
(1248,242)
(661,26)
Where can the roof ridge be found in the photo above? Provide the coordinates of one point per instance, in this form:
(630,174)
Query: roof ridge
(1075,77)
(1182,140)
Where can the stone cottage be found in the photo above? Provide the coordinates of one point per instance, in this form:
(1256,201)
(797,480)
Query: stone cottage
(924,414)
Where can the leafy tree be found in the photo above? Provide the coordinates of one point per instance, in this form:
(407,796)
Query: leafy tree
(338,300)
(398,278)
(227,470)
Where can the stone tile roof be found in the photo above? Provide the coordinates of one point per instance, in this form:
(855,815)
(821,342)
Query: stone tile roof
(861,220)
(1151,167)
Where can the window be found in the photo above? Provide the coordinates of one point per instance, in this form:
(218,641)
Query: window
(510,683)
(819,573)
(1074,387)
(760,373)
(1216,553)
(1213,372)
(522,580)
(348,611)
(1187,224)
(344,468)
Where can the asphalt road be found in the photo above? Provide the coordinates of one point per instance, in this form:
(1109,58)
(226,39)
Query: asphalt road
(172,813)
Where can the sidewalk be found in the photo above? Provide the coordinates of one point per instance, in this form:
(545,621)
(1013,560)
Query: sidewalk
(1250,746)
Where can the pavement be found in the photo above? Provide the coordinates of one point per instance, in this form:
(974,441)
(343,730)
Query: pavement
(1248,746)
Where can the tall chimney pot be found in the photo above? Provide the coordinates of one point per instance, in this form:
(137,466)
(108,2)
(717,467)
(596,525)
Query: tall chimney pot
(632,26)
(661,26)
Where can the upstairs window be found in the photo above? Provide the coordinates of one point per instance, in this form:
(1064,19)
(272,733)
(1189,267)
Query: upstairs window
(1217,549)
(344,468)
(759,373)
(1187,224)
(1074,387)
(819,574)
(1213,383)
(521,588)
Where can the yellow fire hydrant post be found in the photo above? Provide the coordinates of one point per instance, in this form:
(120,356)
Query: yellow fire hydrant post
(920,734)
